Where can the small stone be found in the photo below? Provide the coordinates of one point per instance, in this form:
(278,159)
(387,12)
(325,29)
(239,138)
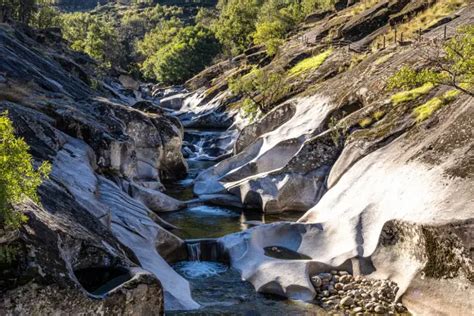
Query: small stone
(343,273)
(340,292)
(347,287)
(380,309)
(317,282)
(325,276)
(357,309)
(334,272)
(325,293)
(338,286)
(347,301)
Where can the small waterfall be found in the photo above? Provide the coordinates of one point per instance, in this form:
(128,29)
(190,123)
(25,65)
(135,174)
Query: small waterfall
(194,251)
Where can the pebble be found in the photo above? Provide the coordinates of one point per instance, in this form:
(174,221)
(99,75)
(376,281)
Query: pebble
(347,301)
(356,295)
(347,287)
(380,309)
(317,282)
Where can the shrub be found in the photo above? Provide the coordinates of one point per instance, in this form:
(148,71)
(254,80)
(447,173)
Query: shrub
(260,88)
(94,36)
(19,179)
(451,65)
(189,52)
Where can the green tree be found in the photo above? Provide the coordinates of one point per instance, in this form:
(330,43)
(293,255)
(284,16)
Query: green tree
(189,52)
(236,24)
(310,6)
(452,65)
(18,10)
(93,35)
(45,16)
(260,89)
(19,180)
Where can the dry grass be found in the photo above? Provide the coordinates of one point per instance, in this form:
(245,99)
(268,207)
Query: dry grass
(362,6)
(422,20)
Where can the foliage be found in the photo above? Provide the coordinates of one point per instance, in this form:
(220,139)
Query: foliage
(18,10)
(427,109)
(310,6)
(206,17)
(276,18)
(94,36)
(410,95)
(270,34)
(8,254)
(424,20)
(236,24)
(260,88)
(311,63)
(450,65)
(187,53)
(45,16)
(19,179)
(339,130)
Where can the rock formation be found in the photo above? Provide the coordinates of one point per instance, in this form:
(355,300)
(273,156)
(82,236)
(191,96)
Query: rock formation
(108,159)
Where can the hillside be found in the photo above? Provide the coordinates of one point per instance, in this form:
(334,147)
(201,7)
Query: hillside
(334,126)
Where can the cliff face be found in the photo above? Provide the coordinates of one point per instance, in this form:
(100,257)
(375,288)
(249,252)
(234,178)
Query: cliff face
(385,193)
(98,206)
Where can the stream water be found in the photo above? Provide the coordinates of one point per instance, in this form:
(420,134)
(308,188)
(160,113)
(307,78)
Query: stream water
(219,288)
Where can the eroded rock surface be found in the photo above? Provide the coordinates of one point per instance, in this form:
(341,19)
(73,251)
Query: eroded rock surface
(108,161)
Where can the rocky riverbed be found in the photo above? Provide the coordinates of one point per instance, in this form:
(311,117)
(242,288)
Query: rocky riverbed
(340,291)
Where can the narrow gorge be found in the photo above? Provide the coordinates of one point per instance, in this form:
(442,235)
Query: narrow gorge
(340,196)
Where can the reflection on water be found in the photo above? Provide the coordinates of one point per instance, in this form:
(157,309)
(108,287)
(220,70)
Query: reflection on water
(225,293)
(207,221)
(218,288)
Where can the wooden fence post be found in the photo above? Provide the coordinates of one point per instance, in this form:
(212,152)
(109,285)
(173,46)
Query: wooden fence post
(395,36)
(384,42)
(445,32)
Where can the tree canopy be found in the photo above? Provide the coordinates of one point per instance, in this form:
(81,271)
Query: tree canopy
(19,179)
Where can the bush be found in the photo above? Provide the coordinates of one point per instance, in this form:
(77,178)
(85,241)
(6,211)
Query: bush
(19,179)
(94,36)
(189,52)
(451,65)
(236,24)
(260,88)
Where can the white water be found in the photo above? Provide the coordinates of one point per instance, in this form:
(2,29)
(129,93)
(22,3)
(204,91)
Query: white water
(199,269)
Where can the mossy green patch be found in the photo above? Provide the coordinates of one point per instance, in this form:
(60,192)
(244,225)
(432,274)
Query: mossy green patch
(406,96)
(365,122)
(427,109)
(310,63)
